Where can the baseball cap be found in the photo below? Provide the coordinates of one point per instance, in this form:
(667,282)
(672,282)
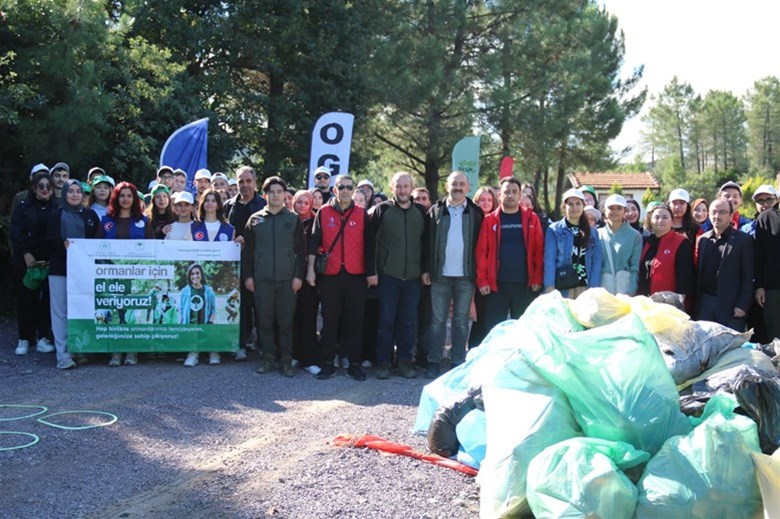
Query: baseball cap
(576,193)
(202,173)
(365,182)
(322,169)
(183,196)
(615,199)
(595,213)
(765,189)
(103,178)
(164,169)
(730,185)
(679,194)
(38,168)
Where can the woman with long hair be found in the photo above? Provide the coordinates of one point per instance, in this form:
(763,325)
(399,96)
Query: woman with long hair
(682,217)
(31,251)
(305,348)
(572,250)
(69,221)
(198,305)
(124,220)
(317,199)
(160,210)
(530,191)
(666,263)
(487,200)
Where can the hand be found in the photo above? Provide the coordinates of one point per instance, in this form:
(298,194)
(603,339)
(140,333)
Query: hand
(548,290)
(760,297)
(484,290)
(297,283)
(29,259)
(372,280)
(535,287)
(239,240)
(311,278)
(167,229)
(66,244)
(739,313)
(249,284)
(425,278)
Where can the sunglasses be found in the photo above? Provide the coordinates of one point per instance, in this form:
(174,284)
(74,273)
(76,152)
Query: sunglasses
(321,177)
(44,187)
(342,188)
(764,201)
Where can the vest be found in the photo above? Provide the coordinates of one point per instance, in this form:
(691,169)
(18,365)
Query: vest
(662,274)
(200,233)
(136,232)
(350,248)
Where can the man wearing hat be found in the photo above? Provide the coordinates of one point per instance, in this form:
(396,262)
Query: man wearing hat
(165,176)
(322,183)
(179,181)
(622,248)
(767,275)
(731,192)
(765,197)
(60,172)
(202,181)
(219,181)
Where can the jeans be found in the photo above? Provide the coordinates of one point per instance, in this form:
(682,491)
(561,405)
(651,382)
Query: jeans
(398,300)
(458,291)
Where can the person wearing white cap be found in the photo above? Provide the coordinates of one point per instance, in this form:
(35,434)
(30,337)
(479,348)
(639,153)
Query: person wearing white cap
(219,181)
(202,181)
(181,228)
(621,246)
(232,188)
(367,188)
(322,182)
(572,252)
(682,216)
(765,197)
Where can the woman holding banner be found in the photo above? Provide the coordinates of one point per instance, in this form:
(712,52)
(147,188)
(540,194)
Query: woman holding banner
(124,220)
(198,305)
(69,221)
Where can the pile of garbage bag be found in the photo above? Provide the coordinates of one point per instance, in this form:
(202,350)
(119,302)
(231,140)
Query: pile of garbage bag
(612,406)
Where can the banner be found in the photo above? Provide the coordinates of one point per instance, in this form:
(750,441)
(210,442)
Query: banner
(153,295)
(465,158)
(187,149)
(506,169)
(331,141)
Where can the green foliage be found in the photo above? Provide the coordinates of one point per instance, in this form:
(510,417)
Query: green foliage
(616,189)
(648,197)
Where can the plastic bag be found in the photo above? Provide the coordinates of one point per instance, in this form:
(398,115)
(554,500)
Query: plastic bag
(524,415)
(597,307)
(442,439)
(707,473)
(727,366)
(696,346)
(768,475)
(758,394)
(582,477)
(614,378)
(473,438)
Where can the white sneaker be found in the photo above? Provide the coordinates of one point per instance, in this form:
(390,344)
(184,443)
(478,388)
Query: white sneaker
(66,364)
(313,369)
(345,363)
(192,359)
(367,364)
(131,359)
(22,347)
(241,354)
(116,360)
(214,358)
(44,346)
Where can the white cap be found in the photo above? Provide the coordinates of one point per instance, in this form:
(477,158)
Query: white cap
(680,194)
(183,196)
(765,189)
(151,184)
(366,182)
(615,200)
(232,182)
(595,213)
(38,168)
(202,173)
(576,193)
(218,175)
(322,169)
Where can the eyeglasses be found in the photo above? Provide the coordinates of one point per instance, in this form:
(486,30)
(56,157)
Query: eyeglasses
(321,177)
(44,187)
(765,201)
(348,188)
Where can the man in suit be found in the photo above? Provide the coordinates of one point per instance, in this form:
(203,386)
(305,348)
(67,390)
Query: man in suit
(725,270)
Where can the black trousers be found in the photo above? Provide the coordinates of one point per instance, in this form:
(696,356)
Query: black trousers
(305,326)
(33,316)
(343,298)
(246,316)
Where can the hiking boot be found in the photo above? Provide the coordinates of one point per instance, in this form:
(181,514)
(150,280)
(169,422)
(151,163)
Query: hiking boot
(116,360)
(22,347)
(287,369)
(241,354)
(214,359)
(192,359)
(326,372)
(265,366)
(406,369)
(383,371)
(432,371)
(131,359)
(356,372)
(44,346)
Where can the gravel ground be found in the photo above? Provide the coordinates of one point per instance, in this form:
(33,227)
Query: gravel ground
(213,441)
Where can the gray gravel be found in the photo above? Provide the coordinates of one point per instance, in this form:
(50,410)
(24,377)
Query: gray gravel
(214,441)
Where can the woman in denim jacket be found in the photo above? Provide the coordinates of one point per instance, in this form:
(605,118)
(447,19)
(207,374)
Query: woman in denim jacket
(561,249)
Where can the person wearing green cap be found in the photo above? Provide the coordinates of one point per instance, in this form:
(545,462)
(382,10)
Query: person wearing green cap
(591,198)
(101,192)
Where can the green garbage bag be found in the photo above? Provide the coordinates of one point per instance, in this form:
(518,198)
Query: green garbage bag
(524,414)
(614,377)
(707,473)
(582,477)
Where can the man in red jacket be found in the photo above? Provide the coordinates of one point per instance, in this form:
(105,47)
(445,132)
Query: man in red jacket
(510,256)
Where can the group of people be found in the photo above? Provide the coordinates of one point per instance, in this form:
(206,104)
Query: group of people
(387,275)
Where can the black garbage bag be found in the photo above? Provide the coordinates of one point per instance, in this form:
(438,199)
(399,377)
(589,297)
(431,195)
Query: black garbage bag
(442,439)
(758,394)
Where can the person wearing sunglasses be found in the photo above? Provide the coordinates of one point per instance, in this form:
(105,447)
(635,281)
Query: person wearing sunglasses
(322,182)
(30,250)
(765,197)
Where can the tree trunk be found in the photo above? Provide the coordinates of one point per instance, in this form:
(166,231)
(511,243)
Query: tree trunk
(273,137)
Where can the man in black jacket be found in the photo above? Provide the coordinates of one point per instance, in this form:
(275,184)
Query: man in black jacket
(767,275)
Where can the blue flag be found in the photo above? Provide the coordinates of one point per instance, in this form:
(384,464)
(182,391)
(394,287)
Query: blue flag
(187,148)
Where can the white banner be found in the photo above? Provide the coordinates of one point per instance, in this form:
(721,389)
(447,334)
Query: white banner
(331,141)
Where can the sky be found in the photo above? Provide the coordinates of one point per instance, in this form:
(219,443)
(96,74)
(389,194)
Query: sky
(710,44)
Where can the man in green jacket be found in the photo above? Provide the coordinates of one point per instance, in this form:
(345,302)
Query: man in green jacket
(272,267)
